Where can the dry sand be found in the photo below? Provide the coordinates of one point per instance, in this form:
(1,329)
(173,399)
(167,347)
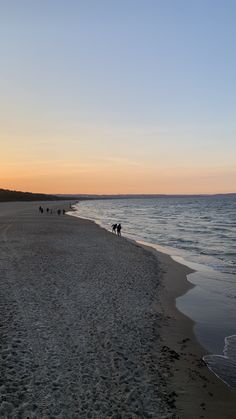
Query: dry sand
(89,328)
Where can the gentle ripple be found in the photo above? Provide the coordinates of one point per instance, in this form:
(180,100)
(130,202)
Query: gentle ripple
(199,225)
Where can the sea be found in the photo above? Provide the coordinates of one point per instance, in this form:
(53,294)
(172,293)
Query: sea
(199,232)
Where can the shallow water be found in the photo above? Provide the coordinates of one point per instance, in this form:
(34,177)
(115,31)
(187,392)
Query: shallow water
(224,366)
(199,232)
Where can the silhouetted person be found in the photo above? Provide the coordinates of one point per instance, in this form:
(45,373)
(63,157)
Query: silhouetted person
(51,211)
(58,212)
(118,229)
(47,210)
(114,226)
(63,211)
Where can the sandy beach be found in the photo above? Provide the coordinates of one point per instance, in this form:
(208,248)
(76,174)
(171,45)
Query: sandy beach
(89,327)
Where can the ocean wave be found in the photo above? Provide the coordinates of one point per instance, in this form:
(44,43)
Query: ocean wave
(224,366)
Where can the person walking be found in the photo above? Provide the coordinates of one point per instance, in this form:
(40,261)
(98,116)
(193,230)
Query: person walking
(118,229)
(114,226)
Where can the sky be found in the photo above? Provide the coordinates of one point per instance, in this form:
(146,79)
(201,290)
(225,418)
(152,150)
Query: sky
(109,97)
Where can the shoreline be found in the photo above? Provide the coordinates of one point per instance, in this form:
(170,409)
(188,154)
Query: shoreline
(190,378)
(178,336)
(201,276)
(90,326)
(193,270)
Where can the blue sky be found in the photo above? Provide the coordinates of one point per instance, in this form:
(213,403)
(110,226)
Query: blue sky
(132,82)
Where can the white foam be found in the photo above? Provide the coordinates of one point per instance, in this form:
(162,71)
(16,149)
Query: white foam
(224,366)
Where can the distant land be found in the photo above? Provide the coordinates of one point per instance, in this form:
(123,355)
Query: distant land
(7,195)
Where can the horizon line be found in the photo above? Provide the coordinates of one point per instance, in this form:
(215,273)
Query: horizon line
(118,194)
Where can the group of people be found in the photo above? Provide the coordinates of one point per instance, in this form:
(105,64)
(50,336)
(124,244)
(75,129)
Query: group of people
(116,228)
(50,211)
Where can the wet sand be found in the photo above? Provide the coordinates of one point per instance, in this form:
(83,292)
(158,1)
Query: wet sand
(197,392)
(89,327)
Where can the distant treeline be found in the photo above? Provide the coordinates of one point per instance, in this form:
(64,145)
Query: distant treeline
(7,195)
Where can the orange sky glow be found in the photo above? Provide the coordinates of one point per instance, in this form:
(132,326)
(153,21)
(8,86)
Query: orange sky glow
(112,99)
(117,180)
